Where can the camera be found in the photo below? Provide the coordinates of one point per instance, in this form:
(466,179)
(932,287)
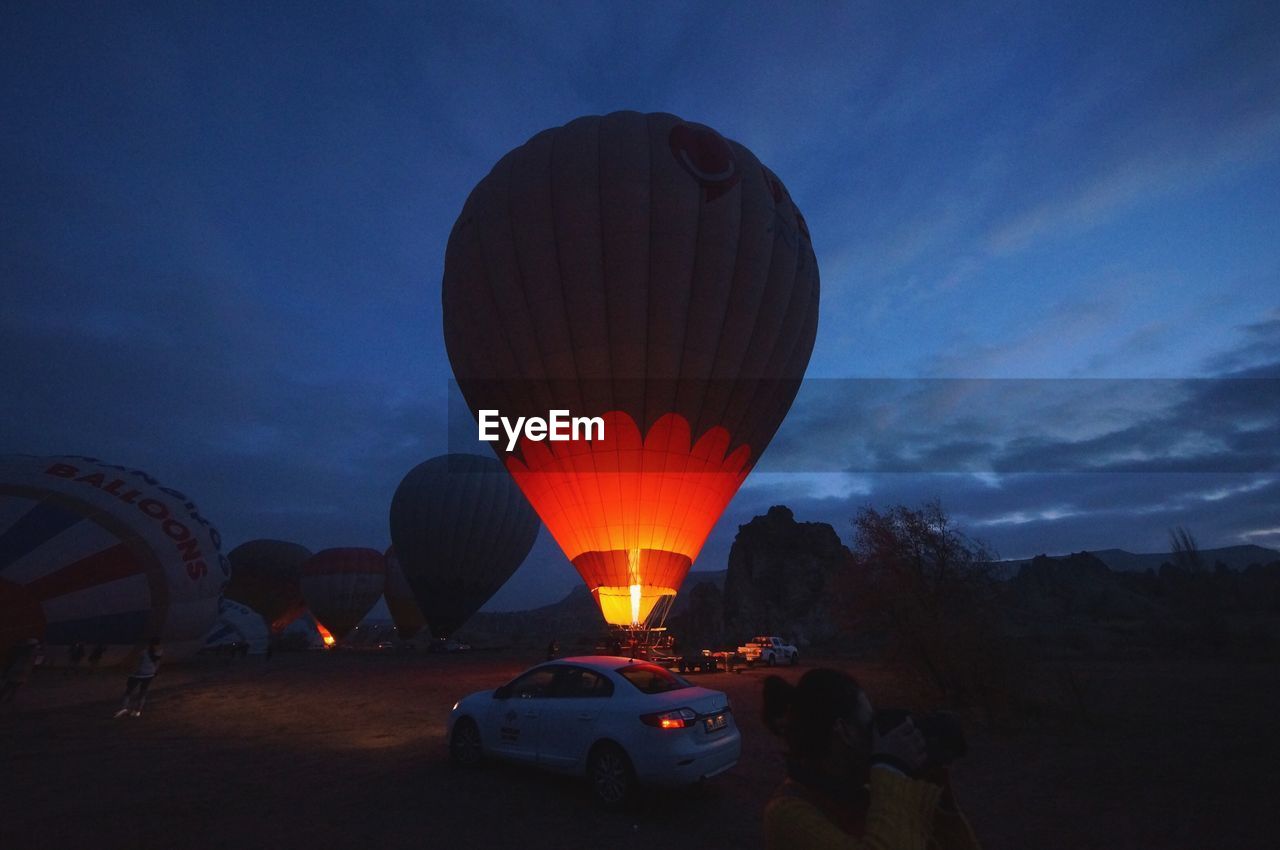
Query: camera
(944,739)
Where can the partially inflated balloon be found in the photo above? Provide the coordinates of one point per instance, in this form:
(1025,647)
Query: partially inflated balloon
(649,272)
(100,554)
(342,585)
(460,528)
(400,601)
(238,624)
(266,575)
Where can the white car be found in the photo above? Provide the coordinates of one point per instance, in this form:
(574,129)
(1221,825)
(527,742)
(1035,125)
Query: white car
(617,721)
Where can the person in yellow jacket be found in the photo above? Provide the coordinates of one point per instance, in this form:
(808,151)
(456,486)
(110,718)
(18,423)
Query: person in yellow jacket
(848,786)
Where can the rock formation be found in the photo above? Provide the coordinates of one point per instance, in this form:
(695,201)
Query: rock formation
(778,578)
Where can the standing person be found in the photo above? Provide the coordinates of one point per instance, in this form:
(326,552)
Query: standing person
(850,785)
(140,681)
(553,649)
(95,657)
(75,654)
(21,661)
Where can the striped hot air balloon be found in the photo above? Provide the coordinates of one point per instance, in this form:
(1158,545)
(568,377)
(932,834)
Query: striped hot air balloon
(102,554)
(342,585)
(648,272)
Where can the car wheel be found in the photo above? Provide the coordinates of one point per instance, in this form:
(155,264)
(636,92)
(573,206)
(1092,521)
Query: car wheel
(610,773)
(795,658)
(772,661)
(464,743)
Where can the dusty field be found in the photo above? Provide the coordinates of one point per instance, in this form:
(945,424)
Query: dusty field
(345,750)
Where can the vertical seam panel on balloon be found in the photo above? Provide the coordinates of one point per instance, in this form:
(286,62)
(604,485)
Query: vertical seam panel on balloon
(564,306)
(761,386)
(684,336)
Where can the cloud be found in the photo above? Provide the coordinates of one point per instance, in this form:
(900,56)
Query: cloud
(1260,348)
(223,238)
(1039,466)
(1224,424)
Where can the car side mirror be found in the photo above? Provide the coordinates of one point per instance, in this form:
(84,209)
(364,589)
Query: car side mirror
(503,692)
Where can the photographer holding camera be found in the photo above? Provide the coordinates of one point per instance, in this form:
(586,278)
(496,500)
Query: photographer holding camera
(858,779)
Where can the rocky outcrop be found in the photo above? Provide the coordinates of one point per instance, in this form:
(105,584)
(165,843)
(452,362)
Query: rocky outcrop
(698,620)
(779,578)
(1078,587)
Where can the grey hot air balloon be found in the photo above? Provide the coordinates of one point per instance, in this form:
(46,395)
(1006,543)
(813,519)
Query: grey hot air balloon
(460,528)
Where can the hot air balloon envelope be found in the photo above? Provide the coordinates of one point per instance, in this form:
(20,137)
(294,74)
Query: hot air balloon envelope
(102,554)
(460,529)
(266,575)
(647,271)
(400,601)
(342,585)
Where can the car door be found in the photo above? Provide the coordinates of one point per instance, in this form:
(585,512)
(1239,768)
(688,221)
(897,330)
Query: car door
(569,724)
(514,722)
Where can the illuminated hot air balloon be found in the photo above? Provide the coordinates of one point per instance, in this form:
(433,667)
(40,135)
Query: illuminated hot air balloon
(404,608)
(647,271)
(460,528)
(306,628)
(341,585)
(266,575)
(102,554)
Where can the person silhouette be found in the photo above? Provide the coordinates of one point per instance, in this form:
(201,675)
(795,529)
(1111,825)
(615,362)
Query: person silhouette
(23,658)
(75,654)
(851,785)
(139,681)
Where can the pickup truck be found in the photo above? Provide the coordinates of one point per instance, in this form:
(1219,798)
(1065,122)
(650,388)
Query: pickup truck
(769,651)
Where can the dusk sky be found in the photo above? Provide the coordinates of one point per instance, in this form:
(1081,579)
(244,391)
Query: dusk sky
(1049,243)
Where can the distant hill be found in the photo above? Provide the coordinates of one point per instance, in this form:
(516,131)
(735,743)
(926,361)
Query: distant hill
(1053,577)
(1121,561)
(577,611)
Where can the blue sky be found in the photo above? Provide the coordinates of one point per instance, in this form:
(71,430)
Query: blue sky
(223,230)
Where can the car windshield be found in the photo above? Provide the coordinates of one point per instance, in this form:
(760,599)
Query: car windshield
(652,679)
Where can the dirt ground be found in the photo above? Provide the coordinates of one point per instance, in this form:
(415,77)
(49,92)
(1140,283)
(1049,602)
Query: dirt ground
(345,750)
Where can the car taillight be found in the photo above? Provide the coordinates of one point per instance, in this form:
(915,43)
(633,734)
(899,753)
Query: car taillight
(677,719)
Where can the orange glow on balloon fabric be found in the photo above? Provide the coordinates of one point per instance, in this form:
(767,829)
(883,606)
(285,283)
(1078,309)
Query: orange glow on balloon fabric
(630,510)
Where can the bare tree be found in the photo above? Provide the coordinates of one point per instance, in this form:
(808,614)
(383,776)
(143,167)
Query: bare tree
(930,590)
(1184,550)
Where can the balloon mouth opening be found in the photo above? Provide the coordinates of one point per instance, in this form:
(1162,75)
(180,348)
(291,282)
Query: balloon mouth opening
(629,605)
